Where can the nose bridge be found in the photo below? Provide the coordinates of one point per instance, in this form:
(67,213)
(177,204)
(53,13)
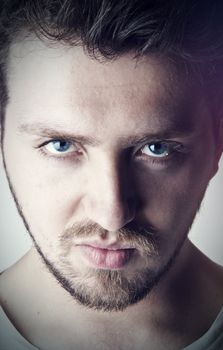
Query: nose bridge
(110,201)
(115,185)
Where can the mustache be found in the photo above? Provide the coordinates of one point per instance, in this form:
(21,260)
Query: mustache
(145,238)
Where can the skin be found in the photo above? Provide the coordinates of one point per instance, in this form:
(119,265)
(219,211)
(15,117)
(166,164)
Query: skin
(111,111)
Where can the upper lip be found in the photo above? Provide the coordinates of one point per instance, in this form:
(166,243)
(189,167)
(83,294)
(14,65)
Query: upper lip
(113,246)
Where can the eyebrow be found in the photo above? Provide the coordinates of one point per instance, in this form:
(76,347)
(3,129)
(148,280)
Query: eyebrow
(38,129)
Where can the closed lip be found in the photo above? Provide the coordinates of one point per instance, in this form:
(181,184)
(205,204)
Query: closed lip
(106,247)
(103,256)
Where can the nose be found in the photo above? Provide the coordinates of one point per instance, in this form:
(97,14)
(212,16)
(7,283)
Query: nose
(110,200)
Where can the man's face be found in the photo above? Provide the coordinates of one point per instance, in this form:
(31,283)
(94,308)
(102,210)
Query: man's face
(108,163)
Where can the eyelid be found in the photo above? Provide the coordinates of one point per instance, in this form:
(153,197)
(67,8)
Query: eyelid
(57,155)
(177,154)
(62,139)
(57,152)
(56,138)
(178,146)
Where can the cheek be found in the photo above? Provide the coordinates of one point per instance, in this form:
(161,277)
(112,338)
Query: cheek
(48,193)
(171,196)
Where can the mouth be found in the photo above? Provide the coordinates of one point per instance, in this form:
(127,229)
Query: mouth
(112,257)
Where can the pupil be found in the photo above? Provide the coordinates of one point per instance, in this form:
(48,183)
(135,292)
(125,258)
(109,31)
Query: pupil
(61,145)
(158,148)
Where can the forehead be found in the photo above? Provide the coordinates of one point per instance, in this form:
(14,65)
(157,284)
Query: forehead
(54,82)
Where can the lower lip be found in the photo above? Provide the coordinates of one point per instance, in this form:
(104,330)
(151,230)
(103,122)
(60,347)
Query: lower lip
(106,258)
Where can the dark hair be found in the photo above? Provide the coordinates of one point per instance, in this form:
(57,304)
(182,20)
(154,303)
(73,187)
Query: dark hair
(189,30)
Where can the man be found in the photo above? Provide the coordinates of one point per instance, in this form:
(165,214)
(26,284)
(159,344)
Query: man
(110,133)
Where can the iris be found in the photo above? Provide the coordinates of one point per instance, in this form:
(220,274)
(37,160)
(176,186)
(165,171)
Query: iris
(157,149)
(61,146)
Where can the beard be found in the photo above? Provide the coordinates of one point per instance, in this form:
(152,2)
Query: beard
(107,290)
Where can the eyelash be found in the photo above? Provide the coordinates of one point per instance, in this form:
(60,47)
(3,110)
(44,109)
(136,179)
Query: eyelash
(71,156)
(176,153)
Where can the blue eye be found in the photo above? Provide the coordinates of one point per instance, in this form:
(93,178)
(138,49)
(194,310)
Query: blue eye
(60,146)
(157,149)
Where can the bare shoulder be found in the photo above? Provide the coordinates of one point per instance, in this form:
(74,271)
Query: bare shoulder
(11,285)
(14,294)
(6,288)
(212,278)
(215,272)
(3,283)
(206,286)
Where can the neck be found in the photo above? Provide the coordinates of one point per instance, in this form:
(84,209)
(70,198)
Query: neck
(174,306)
(174,291)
